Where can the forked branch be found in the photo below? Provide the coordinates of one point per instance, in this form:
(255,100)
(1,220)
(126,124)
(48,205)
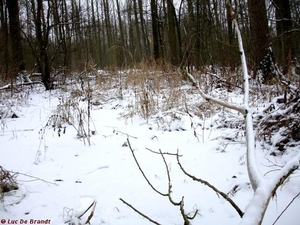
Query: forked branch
(180,204)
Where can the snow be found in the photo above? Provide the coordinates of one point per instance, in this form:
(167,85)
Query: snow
(60,176)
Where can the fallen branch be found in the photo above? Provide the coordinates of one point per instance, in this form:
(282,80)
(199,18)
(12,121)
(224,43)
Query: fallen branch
(25,130)
(36,178)
(8,86)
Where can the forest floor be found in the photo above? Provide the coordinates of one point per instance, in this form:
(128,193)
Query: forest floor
(69,148)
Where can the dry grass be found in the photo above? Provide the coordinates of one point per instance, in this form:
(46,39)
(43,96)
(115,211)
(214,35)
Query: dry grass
(7,182)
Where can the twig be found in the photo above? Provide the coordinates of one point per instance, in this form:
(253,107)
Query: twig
(37,178)
(169,182)
(128,135)
(137,163)
(283,211)
(185,217)
(164,153)
(222,80)
(142,214)
(225,196)
(94,202)
(92,213)
(19,130)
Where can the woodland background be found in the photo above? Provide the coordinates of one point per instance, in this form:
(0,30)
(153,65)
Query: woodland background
(63,36)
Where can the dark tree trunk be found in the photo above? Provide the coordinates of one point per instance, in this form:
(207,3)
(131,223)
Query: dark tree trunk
(155,30)
(172,34)
(15,34)
(42,33)
(4,39)
(261,51)
(283,28)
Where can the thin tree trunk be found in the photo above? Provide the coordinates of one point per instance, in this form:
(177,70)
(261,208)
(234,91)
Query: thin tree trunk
(138,32)
(143,29)
(155,30)
(122,56)
(4,38)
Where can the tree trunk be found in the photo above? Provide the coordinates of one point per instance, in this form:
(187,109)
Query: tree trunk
(15,35)
(138,33)
(155,30)
(283,29)
(42,34)
(122,59)
(261,49)
(4,40)
(173,42)
(143,29)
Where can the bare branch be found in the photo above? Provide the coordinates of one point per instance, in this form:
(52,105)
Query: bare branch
(169,181)
(283,211)
(36,178)
(137,163)
(92,213)
(128,135)
(164,153)
(94,202)
(185,217)
(139,212)
(215,100)
(225,196)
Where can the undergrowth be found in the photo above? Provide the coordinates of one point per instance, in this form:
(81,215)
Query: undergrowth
(166,100)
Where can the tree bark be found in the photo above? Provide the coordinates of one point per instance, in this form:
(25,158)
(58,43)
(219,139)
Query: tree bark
(172,34)
(42,34)
(155,30)
(4,39)
(260,38)
(283,29)
(15,35)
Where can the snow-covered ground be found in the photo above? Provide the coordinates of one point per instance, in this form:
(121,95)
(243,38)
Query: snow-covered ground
(60,175)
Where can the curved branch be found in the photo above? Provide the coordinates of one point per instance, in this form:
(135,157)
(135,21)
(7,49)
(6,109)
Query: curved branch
(169,181)
(144,175)
(225,196)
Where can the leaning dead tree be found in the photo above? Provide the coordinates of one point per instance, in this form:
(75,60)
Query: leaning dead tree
(263,188)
